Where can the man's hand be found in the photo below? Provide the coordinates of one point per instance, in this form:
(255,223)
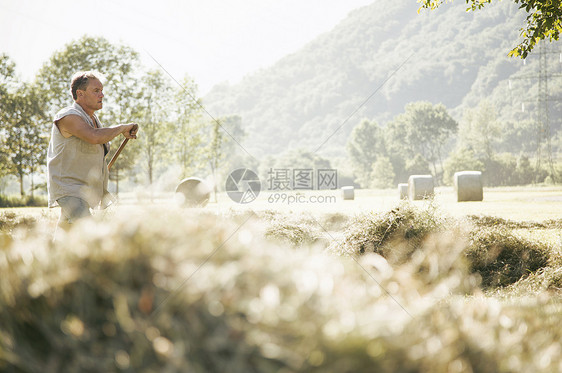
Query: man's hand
(131,130)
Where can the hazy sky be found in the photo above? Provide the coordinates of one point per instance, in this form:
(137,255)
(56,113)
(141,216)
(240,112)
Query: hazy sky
(211,40)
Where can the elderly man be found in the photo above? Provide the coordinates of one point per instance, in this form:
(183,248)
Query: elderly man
(76,166)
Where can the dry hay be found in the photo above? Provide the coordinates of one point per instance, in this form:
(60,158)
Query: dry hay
(495,221)
(380,232)
(297,232)
(496,254)
(503,258)
(180,291)
(9,221)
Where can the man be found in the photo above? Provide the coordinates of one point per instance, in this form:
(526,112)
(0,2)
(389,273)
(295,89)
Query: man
(76,166)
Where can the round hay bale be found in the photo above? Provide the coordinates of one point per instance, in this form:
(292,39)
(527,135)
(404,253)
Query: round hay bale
(468,185)
(193,192)
(348,192)
(403,190)
(420,187)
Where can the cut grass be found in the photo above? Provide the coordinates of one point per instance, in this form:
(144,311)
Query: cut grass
(10,220)
(378,232)
(503,258)
(181,290)
(494,221)
(494,251)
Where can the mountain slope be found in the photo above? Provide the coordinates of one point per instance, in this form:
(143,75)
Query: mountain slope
(386,52)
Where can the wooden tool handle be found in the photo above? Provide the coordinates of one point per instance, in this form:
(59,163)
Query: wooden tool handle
(117,153)
(135,127)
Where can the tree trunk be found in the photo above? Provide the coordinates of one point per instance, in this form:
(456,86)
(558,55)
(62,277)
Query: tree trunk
(150,171)
(214,180)
(440,162)
(22,192)
(435,172)
(32,185)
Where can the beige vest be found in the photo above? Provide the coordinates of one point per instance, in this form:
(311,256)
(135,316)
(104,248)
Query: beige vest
(75,167)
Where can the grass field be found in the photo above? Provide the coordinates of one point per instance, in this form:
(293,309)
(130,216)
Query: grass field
(287,283)
(515,203)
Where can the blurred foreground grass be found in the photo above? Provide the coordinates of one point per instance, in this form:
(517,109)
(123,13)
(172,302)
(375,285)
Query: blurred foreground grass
(163,289)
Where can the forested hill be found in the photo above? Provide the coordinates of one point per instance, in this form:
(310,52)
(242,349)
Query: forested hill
(447,56)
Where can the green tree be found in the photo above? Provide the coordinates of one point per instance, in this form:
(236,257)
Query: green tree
(224,149)
(525,172)
(423,129)
(7,79)
(397,153)
(156,106)
(544,20)
(519,136)
(214,152)
(25,140)
(189,149)
(502,170)
(7,73)
(417,166)
(117,63)
(235,154)
(480,130)
(365,144)
(382,175)
(295,165)
(301,159)
(123,107)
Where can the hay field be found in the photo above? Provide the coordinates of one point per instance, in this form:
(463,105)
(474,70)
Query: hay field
(516,203)
(372,284)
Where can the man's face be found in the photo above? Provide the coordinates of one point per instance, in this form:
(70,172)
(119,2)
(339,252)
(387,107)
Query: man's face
(92,97)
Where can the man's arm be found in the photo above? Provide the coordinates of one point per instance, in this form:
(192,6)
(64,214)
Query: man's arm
(73,125)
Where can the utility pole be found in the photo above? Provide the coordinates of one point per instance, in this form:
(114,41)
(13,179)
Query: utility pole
(544,134)
(544,148)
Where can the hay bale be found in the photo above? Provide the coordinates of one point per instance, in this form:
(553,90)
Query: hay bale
(193,191)
(420,187)
(468,185)
(403,190)
(348,192)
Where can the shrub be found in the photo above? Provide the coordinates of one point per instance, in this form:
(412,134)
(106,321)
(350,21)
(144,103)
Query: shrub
(417,166)
(525,173)
(500,170)
(463,159)
(26,201)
